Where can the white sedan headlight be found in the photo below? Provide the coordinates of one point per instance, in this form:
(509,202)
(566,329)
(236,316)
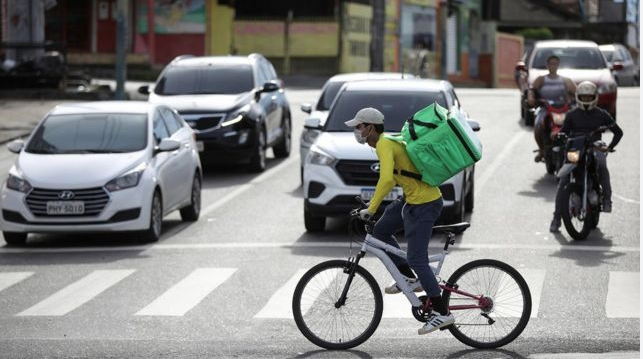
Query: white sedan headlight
(18,184)
(317,157)
(128,180)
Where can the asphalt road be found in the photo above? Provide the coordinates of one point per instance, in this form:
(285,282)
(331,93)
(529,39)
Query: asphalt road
(92,296)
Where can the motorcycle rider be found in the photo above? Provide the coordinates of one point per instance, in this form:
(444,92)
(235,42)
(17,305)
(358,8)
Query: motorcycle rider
(583,120)
(552,87)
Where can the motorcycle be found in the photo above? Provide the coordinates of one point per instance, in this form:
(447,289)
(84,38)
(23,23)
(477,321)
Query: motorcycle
(552,123)
(582,198)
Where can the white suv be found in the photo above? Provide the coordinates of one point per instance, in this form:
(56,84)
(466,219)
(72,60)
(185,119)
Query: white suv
(337,168)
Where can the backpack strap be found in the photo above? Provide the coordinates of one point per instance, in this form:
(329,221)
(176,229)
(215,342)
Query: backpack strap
(412,124)
(413,175)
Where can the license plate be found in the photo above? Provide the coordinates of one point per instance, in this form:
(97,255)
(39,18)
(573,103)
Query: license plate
(65,207)
(367,194)
(199,146)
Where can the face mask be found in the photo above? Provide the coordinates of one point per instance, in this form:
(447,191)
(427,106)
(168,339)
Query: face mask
(358,136)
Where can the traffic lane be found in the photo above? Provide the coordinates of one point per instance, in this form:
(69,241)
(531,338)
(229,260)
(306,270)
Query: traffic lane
(229,312)
(514,192)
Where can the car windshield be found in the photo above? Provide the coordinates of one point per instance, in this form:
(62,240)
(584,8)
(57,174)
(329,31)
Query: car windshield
(570,57)
(328,95)
(90,133)
(396,106)
(217,79)
(609,54)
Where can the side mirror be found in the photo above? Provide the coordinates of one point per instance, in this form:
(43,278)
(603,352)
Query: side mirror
(306,107)
(520,66)
(475,125)
(617,66)
(168,145)
(270,86)
(16,146)
(144,90)
(312,124)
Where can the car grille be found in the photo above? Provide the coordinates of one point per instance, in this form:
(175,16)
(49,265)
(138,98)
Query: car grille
(95,200)
(203,122)
(357,173)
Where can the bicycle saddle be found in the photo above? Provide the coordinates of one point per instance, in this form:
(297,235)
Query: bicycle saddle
(455,228)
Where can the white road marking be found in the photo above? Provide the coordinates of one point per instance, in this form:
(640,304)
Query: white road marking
(625,199)
(279,305)
(77,293)
(187,293)
(238,245)
(623,295)
(498,161)
(8,279)
(535,279)
(239,190)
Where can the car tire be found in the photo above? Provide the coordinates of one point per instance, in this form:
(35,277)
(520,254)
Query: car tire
(190,213)
(282,149)
(314,223)
(459,207)
(258,158)
(153,232)
(15,238)
(469,198)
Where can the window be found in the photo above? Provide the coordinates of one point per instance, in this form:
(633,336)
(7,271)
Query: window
(396,107)
(160,131)
(571,57)
(90,133)
(216,79)
(170,122)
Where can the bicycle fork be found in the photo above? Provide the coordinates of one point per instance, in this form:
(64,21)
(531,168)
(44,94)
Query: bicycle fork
(354,261)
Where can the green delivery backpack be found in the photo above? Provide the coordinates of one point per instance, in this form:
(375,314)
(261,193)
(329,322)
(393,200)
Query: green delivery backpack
(439,143)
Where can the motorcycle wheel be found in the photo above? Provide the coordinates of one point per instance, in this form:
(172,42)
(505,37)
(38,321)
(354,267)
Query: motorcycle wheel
(572,201)
(550,163)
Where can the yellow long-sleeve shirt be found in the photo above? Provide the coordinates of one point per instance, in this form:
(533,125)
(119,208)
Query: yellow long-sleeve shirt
(392,156)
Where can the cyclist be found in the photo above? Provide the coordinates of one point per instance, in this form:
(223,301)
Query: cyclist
(583,120)
(551,87)
(416,214)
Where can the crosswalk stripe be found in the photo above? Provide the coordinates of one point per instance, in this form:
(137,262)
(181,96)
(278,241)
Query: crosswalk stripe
(279,306)
(535,279)
(77,293)
(623,295)
(187,293)
(10,278)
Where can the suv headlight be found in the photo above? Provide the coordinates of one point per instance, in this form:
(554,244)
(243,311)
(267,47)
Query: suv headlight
(317,157)
(128,180)
(18,184)
(607,87)
(236,116)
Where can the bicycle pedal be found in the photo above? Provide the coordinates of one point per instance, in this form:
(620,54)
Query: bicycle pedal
(447,327)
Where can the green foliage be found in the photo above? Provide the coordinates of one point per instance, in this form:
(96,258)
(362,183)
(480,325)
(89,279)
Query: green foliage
(536,33)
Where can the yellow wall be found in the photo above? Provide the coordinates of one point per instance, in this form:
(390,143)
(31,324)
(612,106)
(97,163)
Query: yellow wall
(219,30)
(264,37)
(313,39)
(356,38)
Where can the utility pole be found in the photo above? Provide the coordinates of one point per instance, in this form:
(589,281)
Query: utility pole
(377,36)
(121,44)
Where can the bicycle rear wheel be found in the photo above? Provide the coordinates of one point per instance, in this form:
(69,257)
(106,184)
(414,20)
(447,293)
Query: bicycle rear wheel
(506,299)
(318,318)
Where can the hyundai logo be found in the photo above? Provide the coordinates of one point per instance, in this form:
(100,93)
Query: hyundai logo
(66,195)
(375,167)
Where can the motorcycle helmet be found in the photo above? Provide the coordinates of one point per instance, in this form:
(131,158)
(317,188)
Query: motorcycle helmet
(586,95)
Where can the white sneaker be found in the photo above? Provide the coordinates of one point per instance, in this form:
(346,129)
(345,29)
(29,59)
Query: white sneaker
(414,283)
(435,322)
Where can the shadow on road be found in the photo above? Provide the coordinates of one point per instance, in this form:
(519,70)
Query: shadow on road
(589,257)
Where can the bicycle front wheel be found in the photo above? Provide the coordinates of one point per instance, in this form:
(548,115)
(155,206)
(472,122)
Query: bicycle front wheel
(328,324)
(500,310)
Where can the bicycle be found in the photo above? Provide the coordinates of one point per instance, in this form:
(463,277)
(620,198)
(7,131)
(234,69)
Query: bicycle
(338,304)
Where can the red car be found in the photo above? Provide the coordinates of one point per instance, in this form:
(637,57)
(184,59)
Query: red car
(579,60)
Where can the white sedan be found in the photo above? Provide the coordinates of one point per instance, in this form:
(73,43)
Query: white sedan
(102,167)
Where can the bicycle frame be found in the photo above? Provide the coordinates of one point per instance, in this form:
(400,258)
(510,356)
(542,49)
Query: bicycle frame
(380,249)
